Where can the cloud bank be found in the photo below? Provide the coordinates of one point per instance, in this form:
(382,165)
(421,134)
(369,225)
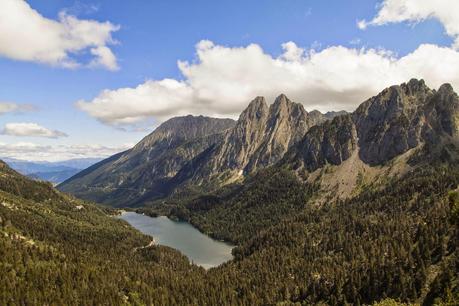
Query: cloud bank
(222,80)
(26,35)
(36,152)
(27,129)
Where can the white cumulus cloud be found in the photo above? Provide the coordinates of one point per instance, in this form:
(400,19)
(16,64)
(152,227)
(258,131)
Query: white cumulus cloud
(414,11)
(150,99)
(26,35)
(222,80)
(28,129)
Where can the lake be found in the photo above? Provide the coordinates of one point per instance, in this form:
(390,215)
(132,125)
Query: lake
(182,236)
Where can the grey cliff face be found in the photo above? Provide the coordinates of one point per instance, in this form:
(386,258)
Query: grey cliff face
(387,125)
(391,123)
(329,143)
(442,113)
(261,136)
(241,142)
(402,117)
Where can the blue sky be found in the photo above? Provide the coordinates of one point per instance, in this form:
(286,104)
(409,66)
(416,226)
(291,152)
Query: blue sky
(154,35)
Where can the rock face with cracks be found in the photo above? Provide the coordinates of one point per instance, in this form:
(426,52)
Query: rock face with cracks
(385,126)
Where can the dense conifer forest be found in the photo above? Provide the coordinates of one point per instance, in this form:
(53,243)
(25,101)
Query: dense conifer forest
(391,243)
(229,153)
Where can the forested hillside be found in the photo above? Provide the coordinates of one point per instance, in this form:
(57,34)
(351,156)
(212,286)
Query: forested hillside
(362,210)
(399,242)
(59,250)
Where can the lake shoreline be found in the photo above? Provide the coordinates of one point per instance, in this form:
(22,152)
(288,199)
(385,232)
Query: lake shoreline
(199,248)
(154,214)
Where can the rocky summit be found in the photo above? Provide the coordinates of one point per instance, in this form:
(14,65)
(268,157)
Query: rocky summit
(398,119)
(260,138)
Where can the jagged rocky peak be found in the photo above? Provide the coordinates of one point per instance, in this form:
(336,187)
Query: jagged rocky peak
(394,99)
(283,107)
(251,124)
(415,87)
(282,103)
(447,96)
(387,125)
(282,99)
(446,89)
(288,122)
(261,136)
(256,110)
(442,113)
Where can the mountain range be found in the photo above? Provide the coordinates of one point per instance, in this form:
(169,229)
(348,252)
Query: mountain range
(196,152)
(54,172)
(356,208)
(191,155)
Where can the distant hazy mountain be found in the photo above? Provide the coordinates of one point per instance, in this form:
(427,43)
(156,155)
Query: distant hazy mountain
(55,177)
(54,172)
(78,163)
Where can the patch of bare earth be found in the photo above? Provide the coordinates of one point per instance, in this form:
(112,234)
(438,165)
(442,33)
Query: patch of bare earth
(353,175)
